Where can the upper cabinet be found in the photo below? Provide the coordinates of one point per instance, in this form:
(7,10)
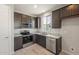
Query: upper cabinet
(56,21)
(17,20)
(39,22)
(70,10)
(36,22)
(26,21)
(22,21)
(74,9)
(64,12)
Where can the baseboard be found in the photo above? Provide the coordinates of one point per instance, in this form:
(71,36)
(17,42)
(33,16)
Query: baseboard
(68,53)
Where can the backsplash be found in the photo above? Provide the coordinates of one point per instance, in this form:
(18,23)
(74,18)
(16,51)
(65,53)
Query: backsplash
(30,30)
(52,31)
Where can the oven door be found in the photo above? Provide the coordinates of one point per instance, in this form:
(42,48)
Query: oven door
(27,39)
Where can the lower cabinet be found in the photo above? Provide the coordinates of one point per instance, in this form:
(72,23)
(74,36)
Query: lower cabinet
(41,40)
(18,43)
(53,45)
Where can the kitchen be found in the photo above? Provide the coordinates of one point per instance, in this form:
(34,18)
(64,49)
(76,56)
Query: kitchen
(46,27)
(41,29)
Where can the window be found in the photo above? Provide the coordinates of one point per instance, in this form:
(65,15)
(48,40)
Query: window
(44,19)
(48,19)
(48,22)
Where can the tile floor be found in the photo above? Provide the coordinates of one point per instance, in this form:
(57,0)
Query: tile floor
(34,49)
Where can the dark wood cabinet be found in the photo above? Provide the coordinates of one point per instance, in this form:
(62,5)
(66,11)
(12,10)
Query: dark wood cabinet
(18,43)
(26,21)
(17,20)
(70,10)
(39,22)
(36,22)
(74,9)
(22,21)
(41,40)
(65,12)
(56,21)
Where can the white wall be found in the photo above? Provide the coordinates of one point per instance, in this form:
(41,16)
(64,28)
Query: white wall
(70,35)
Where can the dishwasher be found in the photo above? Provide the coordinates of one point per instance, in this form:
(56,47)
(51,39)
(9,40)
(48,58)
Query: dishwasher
(53,45)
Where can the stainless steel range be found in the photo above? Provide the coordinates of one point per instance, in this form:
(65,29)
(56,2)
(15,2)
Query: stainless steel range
(27,36)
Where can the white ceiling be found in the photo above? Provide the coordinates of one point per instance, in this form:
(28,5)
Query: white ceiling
(41,8)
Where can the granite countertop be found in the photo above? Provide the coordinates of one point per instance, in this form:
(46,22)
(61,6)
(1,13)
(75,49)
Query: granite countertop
(19,35)
(49,35)
(53,36)
(44,34)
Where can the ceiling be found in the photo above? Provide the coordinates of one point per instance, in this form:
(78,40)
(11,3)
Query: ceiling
(36,9)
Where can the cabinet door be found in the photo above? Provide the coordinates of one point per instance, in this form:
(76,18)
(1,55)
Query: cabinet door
(43,41)
(18,42)
(56,21)
(74,9)
(69,10)
(39,22)
(65,12)
(26,21)
(36,22)
(37,38)
(17,20)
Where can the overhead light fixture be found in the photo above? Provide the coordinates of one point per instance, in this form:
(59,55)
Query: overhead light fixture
(35,6)
(43,10)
